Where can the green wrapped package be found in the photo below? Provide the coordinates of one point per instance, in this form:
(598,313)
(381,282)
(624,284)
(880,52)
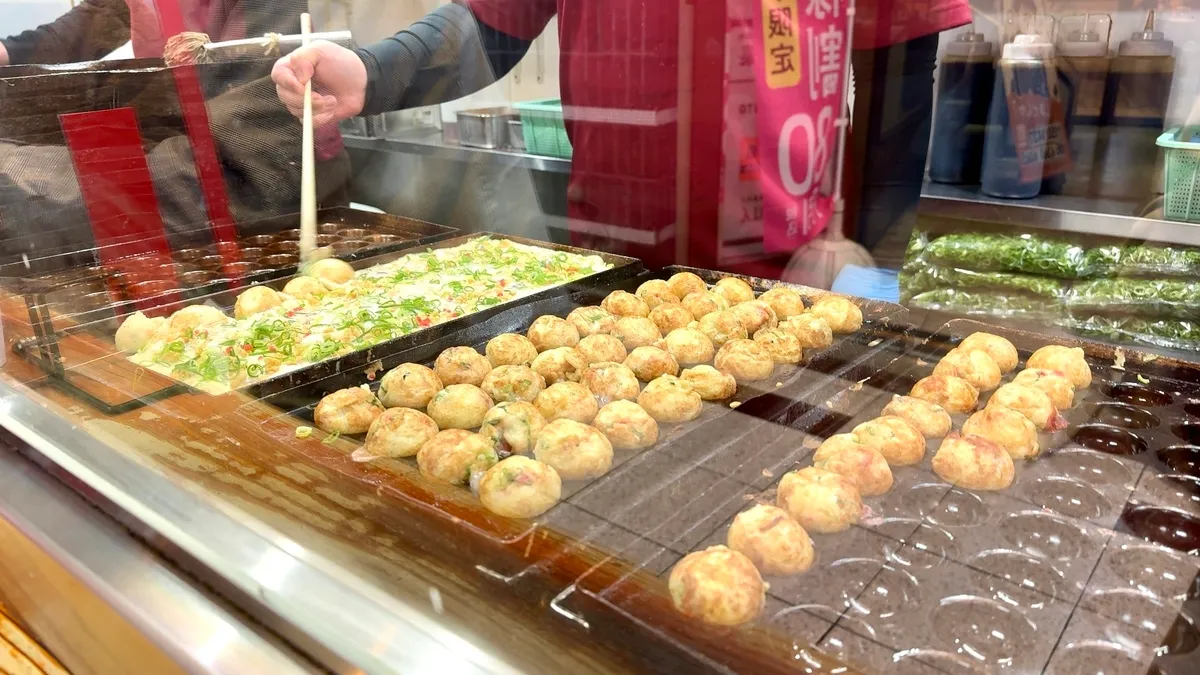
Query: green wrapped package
(1026,254)
(928,277)
(1158,260)
(1167,333)
(988,303)
(1157,298)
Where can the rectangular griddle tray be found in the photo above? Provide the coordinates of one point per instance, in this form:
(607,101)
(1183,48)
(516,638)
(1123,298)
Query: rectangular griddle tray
(875,591)
(114,371)
(718,458)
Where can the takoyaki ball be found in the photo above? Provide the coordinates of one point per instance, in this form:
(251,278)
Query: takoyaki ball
(551,332)
(721,327)
(1005,427)
(954,394)
(755,315)
(591,321)
(520,487)
(930,419)
(812,331)
(305,288)
(774,542)
(399,432)
(1002,351)
(670,316)
(734,290)
(689,346)
(710,383)
(786,302)
(460,406)
(136,331)
(454,455)
(782,346)
(656,292)
(510,349)
(670,400)
(331,270)
(347,411)
(1053,383)
(611,381)
(600,348)
(575,450)
(567,400)
(409,385)
(684,284)
(513,383)
(821,501)
(975,367)
(842,315)
(1069,361)
(745,360)
(562,364)
(636,331)
(512,427)
(973,463)
(717,586)
(835,444)
(190,318)
(1033,403)
(704,302)
(462,365)
(650,363)
(254,300)
(624,303)
(900,443)
(626,425)
(863,465)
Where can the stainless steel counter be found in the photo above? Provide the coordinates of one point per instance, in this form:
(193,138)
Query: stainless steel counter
(1053,212)
(429,142)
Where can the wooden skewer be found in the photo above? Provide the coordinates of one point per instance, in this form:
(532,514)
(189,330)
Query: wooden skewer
(308,178)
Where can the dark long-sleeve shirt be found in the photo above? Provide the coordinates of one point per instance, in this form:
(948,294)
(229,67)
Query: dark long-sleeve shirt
(258,141)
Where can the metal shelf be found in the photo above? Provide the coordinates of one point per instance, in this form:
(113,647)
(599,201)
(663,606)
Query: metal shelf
(429,142)
(1053,212)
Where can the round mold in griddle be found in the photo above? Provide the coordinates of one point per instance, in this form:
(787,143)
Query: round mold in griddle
(1188,431)
(289,247)
(1122,415)
(278,261)
(1095,657)
(1089,466)
(939,544)
(1046,535)
(348,246)
(258,240)
(381,239)
(1131,607)
(209,262)
(1069,497)
(960,509)
(920,661)
(197,278)
(1182,459)
(149,289)
(1152,569)
(852,575)
(921,499)
(1137,394)
(1175,489)
(1182,637)
(1023,570)
(989,631)
(288,235)
(326,239)
(191,254)
(251,253)
(1170,527)
(238,270)
(1109,439)
(1192,408)
(353,233)
(329,228)
(894,593)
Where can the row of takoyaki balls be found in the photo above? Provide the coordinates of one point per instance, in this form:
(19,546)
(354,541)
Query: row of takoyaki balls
(569,391)
(723,584)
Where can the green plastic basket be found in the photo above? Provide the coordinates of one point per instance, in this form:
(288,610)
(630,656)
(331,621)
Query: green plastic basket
(542,126)
(1181,189)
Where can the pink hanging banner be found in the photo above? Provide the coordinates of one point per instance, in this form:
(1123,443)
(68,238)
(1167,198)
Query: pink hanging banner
(799,49)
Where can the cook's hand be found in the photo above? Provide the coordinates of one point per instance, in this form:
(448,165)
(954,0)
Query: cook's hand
(339,81)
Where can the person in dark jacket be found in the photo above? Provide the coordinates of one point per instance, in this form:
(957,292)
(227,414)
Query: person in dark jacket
(257,141)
